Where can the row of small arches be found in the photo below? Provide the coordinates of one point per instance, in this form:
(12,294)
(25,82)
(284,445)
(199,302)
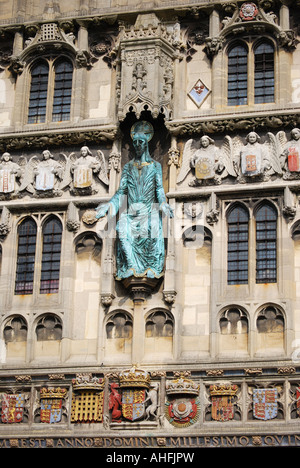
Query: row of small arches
(232,320)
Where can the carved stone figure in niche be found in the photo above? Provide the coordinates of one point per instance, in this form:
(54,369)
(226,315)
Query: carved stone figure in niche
(140,242)
(48,173)
(208,163)
(85,168)
(257,161)
(9,172)
(42,177)
(289,153)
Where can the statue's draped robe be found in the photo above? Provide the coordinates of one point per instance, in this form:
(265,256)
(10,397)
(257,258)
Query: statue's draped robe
(140,242)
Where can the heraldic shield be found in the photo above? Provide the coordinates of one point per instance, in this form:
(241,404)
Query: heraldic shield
(204,167)
(7,181)
(12,408)
(45,179)
(51,404)
(265,403)
(83,177)
(134,384)
(223,400)
(294,158)
(133,403)
(251,163)
(183,404)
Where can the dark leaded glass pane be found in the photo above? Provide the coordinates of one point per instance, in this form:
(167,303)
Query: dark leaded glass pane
(25,257)
(237,252)
(52,234)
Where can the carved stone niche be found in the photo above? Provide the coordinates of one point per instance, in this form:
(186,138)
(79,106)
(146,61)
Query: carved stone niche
(146,69)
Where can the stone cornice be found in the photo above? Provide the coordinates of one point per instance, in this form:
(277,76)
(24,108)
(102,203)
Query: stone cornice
(272,120)
(55,138)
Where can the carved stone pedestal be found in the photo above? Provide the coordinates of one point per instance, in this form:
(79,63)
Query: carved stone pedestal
(140,288)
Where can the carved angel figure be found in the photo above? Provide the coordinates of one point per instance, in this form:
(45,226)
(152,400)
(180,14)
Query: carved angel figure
(257,160)
(208,162)
(86,167)
(9,172)
(42,176)
(289,153)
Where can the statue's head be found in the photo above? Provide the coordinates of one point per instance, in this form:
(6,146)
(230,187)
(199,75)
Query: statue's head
(85,151)
(252,138)
(141,134)
(47,154)
(140,144)
(6,157)
(295,133)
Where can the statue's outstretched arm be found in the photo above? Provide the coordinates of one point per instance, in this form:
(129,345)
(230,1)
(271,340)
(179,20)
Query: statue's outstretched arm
(115,202)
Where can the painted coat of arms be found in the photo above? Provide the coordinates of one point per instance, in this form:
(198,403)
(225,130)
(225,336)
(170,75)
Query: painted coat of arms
(294,158)
(265,403)
(7,181)
(51,404)
(251,163)
(45,178)
(133,403)
(223,400)
(182,410)
(83,176)
(12,408)
(134,384)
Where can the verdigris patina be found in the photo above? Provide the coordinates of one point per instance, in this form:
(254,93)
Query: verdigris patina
(140,240)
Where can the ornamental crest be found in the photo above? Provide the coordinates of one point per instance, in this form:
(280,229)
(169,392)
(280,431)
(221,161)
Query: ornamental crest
(293,158)
(134,383)
(45,178)
(133,404)
(265,403)
(83,177)
(7,181)
(51,404)
(87,400)
(183,408)
(248,11)
(251,162)
(12,408)
(223,400)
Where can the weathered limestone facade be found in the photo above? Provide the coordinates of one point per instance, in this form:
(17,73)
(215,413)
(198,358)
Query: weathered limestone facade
(210,355)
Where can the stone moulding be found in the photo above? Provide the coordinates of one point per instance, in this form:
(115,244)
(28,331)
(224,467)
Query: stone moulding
(16,141)
(243,122)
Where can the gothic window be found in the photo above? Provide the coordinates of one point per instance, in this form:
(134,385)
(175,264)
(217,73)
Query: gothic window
(49,328)
(237,75)
(233,321)
(62,91)
(270,320)
(38,93)
(251,74)
(264,73)
(15,330)
(233,336)
(50,91)
(52,233)
(159,324)
(26,257)
(266,251)
(119,326)
(237,254)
